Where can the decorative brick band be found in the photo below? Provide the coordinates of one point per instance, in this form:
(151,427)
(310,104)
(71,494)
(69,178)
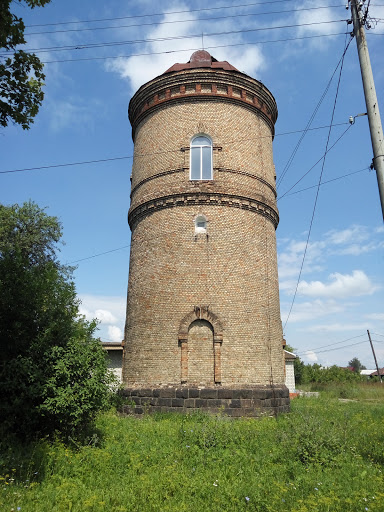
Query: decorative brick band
(150,178)
(251,401)
(219,169)
(249,175)
(199,198)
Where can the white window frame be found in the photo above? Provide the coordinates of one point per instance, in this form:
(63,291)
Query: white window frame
(201,146)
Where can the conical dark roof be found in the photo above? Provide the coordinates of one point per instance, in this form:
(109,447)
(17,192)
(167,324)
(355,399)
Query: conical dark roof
(202,59)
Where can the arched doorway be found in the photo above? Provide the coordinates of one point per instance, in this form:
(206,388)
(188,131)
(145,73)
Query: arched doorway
(200,340)
(200,353)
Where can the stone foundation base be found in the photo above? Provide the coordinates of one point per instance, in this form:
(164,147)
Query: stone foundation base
(235,402)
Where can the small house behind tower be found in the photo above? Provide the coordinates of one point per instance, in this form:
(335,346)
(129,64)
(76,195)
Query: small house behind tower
(203,325)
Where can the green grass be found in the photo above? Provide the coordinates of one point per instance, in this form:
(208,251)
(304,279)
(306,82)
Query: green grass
(326,455)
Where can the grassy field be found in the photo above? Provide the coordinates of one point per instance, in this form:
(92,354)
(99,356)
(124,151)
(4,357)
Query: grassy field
(326,455)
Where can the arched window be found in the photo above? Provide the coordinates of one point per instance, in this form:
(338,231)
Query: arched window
(201,158)
(200,224)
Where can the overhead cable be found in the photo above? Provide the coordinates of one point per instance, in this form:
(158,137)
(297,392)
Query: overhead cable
(171,22)
(169,38)
(325,182)
(232,6)
(311,119)
(188,50)
(101,160)
(318,161)
(329,345)
(318,187)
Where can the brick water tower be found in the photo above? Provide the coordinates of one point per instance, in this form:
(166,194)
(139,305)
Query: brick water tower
(203,327)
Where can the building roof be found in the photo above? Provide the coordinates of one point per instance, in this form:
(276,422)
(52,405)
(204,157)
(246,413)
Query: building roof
(367,372)
(289,355)
(112,345)
(202,59)
(381,372)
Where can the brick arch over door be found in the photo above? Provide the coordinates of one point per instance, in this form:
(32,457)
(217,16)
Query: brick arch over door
(201,313)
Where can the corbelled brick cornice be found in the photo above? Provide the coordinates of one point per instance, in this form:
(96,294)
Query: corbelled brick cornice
(202,85)
(200,198)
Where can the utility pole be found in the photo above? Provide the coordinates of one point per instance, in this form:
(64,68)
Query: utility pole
(374,355)
(373,112)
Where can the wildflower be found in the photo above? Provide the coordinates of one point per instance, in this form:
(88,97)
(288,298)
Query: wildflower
(246,498)
(215,483)
(187,446)
(316,489)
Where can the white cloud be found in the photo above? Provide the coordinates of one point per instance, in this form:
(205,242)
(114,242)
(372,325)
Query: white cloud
(291,258)
(316,21)
(105,317)
(341,286)
(72,113)
(102,315)
(353,234)
(108,310)
(187,35)
(375,316)
(337,327)
(309,357)
(308,311)
(352,241)
(115,333)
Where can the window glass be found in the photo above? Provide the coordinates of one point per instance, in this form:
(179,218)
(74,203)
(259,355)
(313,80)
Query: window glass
(200,141)
(195,163)
(206,163)
(200,224)
(201,158)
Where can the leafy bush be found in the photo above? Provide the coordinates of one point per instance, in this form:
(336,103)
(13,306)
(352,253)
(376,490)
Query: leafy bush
(53,374)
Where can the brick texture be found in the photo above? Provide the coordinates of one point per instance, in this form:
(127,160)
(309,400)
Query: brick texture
(203,309)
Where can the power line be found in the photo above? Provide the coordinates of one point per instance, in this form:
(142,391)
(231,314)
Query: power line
(194,49)
(330,344)
(328,181)
(101,160)
(99,254)
(170,38)
(311,119)
(141,24)
(320,159)
(339,348)
(162,13)
(318,187)
(69,164)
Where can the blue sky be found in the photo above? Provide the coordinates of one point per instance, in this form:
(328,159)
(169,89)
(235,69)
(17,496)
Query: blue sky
(288,45)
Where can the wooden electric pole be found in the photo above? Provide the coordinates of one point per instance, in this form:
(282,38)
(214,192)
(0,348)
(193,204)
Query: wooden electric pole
(374,355)
(373,112)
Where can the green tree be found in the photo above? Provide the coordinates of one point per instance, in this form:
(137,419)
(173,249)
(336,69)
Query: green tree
(21,73)
(356,365)
(53,373)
